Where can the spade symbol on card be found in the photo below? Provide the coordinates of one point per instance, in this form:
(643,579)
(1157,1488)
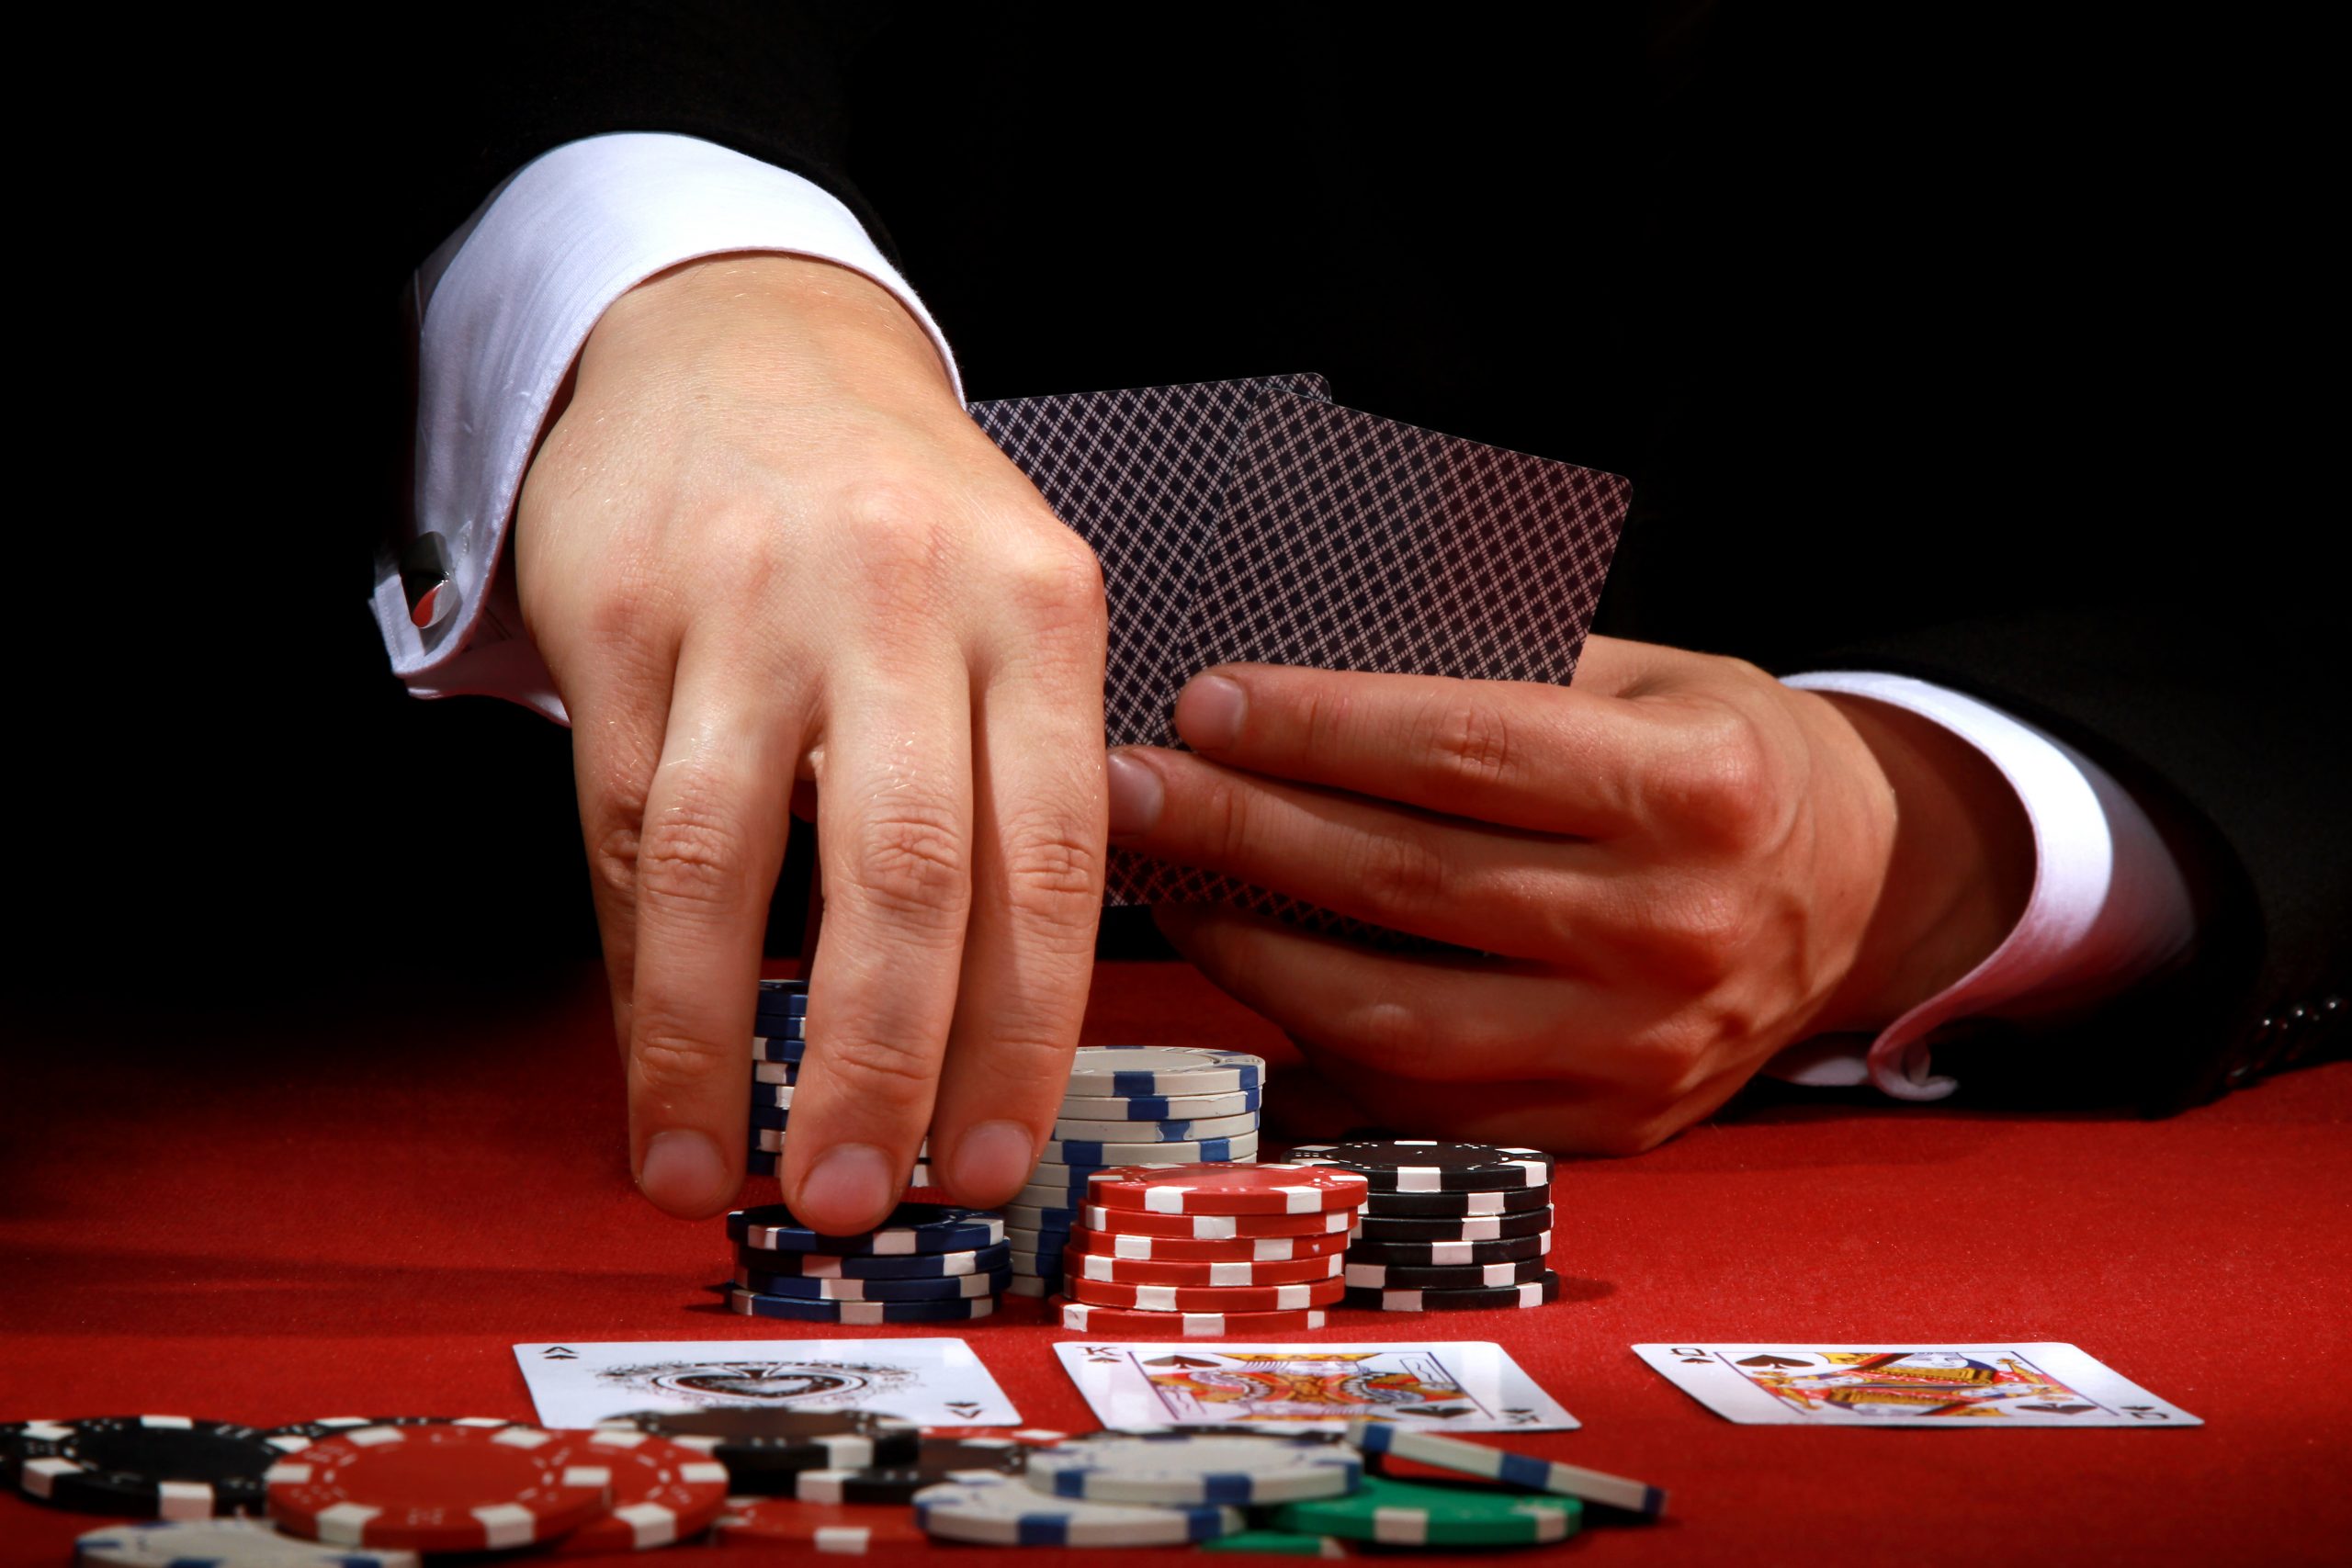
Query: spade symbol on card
(1437,1412)
(963,1408)
(1182,1361)
(1689,1354)
(1774,1361)
(559,1353)
(2060,1409)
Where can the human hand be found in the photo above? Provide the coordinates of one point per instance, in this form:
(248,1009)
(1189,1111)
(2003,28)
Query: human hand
(763,543)
(1678,864)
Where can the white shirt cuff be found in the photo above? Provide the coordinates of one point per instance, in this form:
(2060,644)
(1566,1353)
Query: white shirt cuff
(2110,904)
(504,307)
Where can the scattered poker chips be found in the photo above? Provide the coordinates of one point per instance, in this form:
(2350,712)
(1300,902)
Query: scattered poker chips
(1376,1439)
(764,1449)
(1400,1513)
(941,1460)
(1129,1105)
(300,1434)
(221,1543)
(435,1488)
(1002,1511)
(1193,1467)
(911,1228)
(829,1530)
(167,1467)
(1428,1165)
(664,1492)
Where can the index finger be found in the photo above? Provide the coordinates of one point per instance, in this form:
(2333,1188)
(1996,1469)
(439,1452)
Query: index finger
(1522,754)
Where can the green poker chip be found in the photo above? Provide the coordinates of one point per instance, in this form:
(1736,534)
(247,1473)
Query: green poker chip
(1406,1513)
(1278,1543)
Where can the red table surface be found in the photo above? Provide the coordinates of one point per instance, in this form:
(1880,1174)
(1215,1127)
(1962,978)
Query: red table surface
(361,1212)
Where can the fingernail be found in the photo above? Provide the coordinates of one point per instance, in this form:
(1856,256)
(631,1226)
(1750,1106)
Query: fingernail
(682,1173)
(993,1161)
(1137,795)
(851,1188)
(1209,712)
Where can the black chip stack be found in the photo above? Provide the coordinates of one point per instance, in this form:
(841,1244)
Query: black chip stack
(1446,1227)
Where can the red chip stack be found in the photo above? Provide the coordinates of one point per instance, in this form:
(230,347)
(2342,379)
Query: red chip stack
(1204,1250)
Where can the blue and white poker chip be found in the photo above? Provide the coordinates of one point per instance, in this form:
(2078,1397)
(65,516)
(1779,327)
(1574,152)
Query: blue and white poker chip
(909,1265)
(1019,1218)
(1127,1072)
(1175,1131)
(1523,1471)
(777,1048)
(917,1287)
(1238,1150)
(804,1309)
(1188,1468)
(1159,1107)
(912,1227)
(223,1543)
(775,1072)
(1001,1511)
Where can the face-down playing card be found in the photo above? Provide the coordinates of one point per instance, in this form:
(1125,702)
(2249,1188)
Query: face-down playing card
(1347,541)
(1136,473)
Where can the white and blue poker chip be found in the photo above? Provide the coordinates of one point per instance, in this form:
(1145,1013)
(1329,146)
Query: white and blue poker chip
(1181,1467)
(223,1543)
(912,1227)
(1001,1511)
(1193,1131)
(1240,1150)
(1160,1107)
(909,1265)
(916,1288)
(1523,1471)
(1128,1072)
(803,1309)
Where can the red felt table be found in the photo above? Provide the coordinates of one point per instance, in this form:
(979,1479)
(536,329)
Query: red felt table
(279,1218)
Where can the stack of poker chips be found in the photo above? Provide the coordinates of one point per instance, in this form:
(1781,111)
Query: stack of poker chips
(1178,1251)
(927,1263)
(1139,1105)
(1447,1227)
(779,1038)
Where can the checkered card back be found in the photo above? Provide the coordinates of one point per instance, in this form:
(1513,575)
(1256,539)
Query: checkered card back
(1137,474)
(1352,542)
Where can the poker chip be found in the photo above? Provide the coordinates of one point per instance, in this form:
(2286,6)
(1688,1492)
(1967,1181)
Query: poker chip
(1207,1249)
(1039,1197)
(1002,1511)
(435,1488)
(1469,1276)
(1019,1218)
(1075,1151)
(1081,1287)
(1159,1107)
(1457,1205)
(904,1266)
(1166,1271)
(804,1309)
(1522,1470)
(1214,1228)
(772,1094)
(763,1448)
(1191,1468)
(663,1491)
(300,1434)
(1167,1132)
(1027,1436)
(1401,1513)
(1473,1227)
(777,1048)
(1079,1318)
(1449,1253)
(937,1287)
(775,1073)
(1280,1543)
(1129,1072)
(1229,1190)
(757,1162)
(844,1530)
(912,1227)
(167,1467)
(943,1460)
(1031,1284)
(221,1543)
(1535,1292)
(1426,1165)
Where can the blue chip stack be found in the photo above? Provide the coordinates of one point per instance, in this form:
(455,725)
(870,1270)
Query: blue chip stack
(1129,1105)
(927,1263)
(779,1036)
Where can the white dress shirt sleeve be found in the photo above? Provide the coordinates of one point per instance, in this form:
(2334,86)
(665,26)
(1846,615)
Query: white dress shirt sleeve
(2109,905)
(502,310)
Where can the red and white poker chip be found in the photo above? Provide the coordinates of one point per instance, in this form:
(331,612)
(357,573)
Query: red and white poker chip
(1198,1249)
(435,1488)
(1224,1189)
(845,1530)
(1204,1271)
(1213,1227)
(1082,1318)
(664,1492)
(1203,1298)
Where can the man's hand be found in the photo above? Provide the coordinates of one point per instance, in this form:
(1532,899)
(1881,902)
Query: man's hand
(762,544)
(1679,865)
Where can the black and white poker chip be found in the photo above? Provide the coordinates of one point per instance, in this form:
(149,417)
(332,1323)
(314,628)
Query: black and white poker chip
(1534,1292)
(941,1460)
(1463,1277)
(1449,1253)
(1470,1227)
(1457,1205)
(156,1467)
(764,1449)
(1429,1165)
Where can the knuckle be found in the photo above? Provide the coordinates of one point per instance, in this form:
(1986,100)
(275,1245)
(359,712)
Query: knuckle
(1468,739)
(690,855)
(612,859)
(1227,826)
(888,1070)
(669,1060)
(911,864)
(1398,872)
(1384,1031)
(1052,874)
(1720,789)
(1057,579)
(899,545)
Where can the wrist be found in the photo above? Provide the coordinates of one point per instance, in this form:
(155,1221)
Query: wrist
(1959,871)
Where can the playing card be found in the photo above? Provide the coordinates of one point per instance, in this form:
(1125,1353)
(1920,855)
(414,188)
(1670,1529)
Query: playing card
(939,1382)
(1351,542)
(1966,1384)
(1469,1385)
(1136,474)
